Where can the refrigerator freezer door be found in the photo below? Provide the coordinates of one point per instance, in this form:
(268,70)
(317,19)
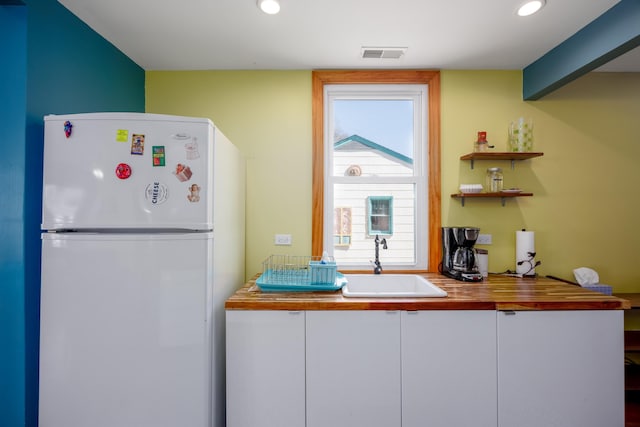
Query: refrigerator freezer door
(125,330)
(127,170)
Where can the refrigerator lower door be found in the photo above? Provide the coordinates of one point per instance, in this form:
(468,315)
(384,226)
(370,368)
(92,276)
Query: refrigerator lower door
(125,330)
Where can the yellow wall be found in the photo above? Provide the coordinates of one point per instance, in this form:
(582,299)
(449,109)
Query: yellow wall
(267,115)
(585,198)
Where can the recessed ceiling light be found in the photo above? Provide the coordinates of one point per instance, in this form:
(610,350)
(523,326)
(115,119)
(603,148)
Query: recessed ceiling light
(530,7)
(270,7)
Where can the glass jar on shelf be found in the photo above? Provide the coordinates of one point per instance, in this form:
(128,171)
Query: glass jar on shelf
(494,180)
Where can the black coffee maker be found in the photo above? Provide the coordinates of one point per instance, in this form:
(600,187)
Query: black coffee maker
(459,258)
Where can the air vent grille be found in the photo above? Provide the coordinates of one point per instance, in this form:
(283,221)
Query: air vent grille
(383,52)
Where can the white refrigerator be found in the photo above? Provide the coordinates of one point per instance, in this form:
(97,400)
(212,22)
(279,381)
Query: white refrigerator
(143,220)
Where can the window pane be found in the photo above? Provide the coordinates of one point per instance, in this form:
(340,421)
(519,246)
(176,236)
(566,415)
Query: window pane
(373,137)
(380,207)
(380,215)
(376,142)
(396,206)
(380,224)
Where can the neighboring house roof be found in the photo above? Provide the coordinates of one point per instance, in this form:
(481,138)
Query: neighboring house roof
(344,144)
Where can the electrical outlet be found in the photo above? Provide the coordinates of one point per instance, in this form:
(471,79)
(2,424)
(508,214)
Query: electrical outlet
(483,239)
(282,240)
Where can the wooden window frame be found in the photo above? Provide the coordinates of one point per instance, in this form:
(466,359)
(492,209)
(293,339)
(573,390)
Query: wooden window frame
(429,77)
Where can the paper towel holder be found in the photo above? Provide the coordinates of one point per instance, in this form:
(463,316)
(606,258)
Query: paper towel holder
(531,263)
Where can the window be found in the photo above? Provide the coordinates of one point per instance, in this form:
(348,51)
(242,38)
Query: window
(375,157)
(380,217)
(342,227)
(374,186)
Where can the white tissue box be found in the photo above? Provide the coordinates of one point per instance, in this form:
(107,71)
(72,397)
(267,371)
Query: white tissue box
(599,287)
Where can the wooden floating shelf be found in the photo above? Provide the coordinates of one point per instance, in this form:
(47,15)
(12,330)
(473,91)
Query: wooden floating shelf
(500,155)
(502,196)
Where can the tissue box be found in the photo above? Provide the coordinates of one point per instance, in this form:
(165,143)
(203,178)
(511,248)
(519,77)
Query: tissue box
(599,287)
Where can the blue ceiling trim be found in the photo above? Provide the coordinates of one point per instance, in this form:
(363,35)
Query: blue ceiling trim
(371,144)
(615,32)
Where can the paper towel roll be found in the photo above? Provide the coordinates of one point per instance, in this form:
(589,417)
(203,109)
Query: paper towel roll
(525,243)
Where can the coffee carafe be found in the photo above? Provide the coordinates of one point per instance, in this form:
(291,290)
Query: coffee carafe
(459,258)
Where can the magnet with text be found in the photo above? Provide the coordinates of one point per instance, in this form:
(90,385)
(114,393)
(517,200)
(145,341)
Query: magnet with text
(137,144)
(68,128)
(123,171)
(158,155)
(194,193)
(157,193)
(183,172)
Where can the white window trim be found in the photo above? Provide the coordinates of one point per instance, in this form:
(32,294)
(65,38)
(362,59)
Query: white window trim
(419,93)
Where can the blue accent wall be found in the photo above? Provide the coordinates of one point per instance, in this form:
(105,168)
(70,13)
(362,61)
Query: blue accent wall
(13,93)
(58,65)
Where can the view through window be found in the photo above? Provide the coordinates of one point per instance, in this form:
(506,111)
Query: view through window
(375,170)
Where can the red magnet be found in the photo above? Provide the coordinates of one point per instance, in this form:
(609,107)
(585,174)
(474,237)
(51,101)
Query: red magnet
(123,171)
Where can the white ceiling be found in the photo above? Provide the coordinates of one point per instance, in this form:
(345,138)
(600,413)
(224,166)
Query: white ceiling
(329,34)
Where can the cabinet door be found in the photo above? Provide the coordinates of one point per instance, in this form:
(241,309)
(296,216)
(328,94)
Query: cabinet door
(353,369)
(449,368)
(265,368)
(561,368)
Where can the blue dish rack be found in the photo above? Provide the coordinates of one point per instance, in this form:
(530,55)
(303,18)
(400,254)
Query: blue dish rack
(292,273)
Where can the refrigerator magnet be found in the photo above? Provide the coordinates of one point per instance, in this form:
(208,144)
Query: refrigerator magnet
(68,128)
(123,171)
(192,149)
(122,135)
(137,144)
(183,172)
(194,193)
(157,193)
(158,155)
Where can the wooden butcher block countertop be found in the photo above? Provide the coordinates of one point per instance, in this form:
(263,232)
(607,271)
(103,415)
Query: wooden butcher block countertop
(494,293)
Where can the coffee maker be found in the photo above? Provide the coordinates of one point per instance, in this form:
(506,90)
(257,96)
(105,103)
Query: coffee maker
(459,258)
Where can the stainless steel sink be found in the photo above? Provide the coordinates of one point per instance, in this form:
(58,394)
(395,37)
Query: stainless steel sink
(390,286)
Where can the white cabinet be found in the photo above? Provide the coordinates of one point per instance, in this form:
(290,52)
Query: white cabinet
(426,368)
(265,368)
(353,368)
(449,368)
(561,368)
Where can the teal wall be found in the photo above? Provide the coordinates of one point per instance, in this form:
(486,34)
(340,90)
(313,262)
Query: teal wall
(57,64)
(13,93)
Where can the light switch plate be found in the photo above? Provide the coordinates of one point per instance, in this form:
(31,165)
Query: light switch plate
(282,240)
(483,239)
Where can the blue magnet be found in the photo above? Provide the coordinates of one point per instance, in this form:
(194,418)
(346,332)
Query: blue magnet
(67,128)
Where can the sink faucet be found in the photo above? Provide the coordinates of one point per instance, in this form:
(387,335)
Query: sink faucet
(377,269)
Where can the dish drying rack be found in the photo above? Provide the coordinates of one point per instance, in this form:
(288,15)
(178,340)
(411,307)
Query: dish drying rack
(291,273)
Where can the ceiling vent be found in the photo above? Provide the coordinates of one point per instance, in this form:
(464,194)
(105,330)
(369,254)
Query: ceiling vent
(383,52)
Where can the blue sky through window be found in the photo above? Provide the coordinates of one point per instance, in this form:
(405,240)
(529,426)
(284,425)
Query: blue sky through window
(388,122)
